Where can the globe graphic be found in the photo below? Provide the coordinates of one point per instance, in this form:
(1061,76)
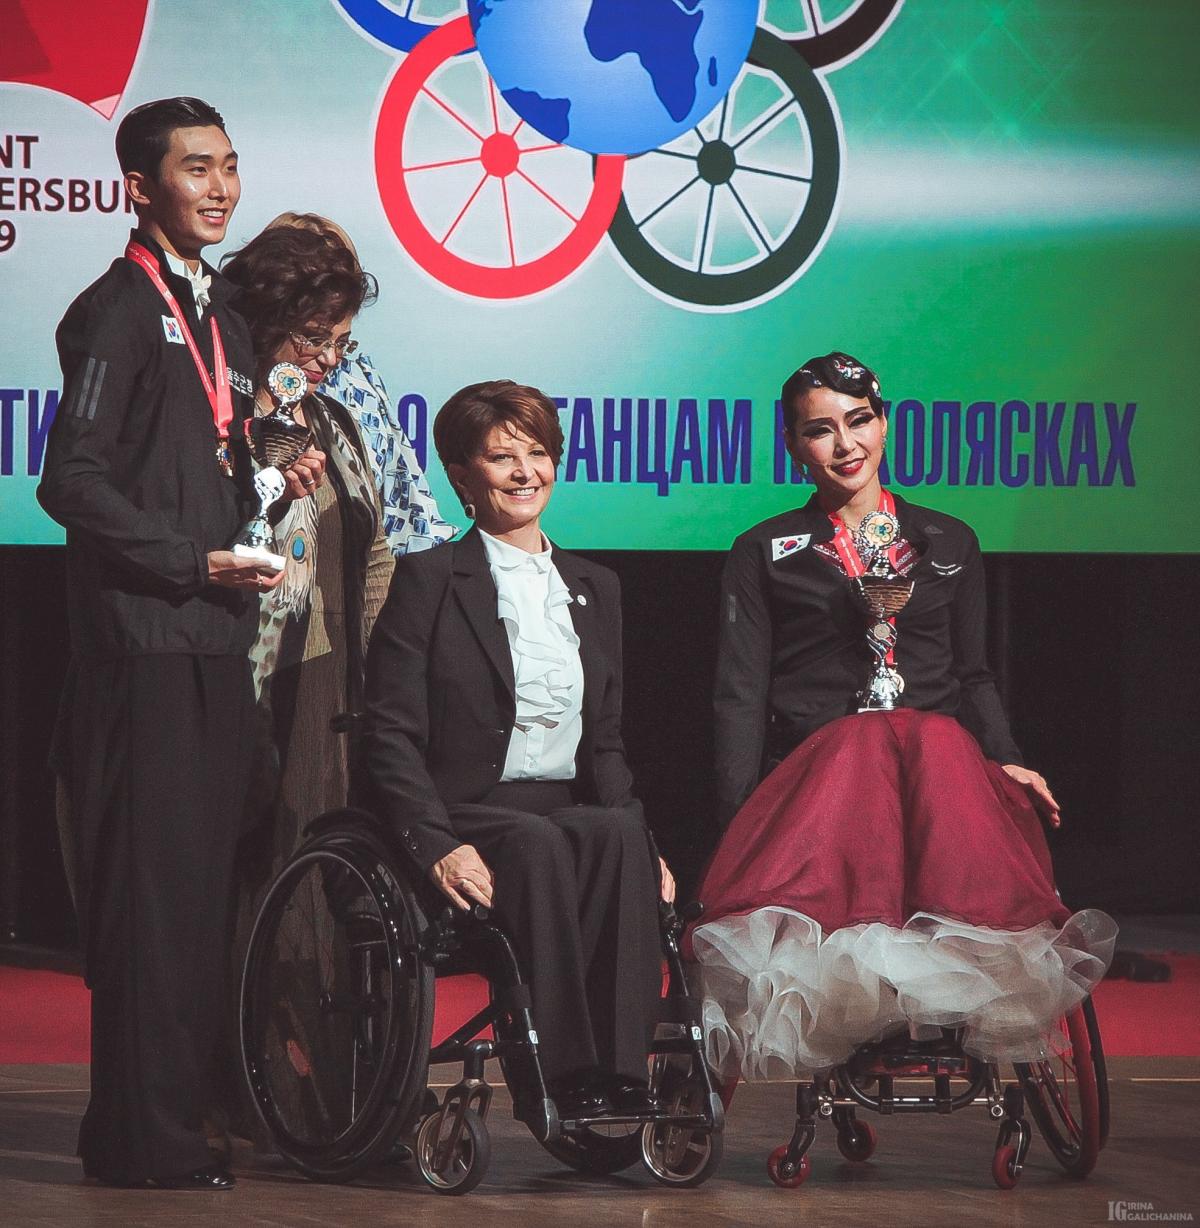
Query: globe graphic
(613,76)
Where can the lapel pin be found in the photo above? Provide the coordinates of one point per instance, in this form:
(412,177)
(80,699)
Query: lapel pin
(581,599)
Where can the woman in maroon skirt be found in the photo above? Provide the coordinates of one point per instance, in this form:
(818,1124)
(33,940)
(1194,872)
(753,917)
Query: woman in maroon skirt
(890,871)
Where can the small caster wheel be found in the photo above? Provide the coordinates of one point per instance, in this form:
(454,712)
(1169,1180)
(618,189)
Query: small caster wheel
(857,1141)
(1004,1167)
(788,1176)
(472,1152)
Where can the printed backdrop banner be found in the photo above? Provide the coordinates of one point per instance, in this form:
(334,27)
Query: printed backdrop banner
(656,211)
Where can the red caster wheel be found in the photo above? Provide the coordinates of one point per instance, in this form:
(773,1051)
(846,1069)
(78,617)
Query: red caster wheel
(787,1176)
(1004,1167)
(857,1142)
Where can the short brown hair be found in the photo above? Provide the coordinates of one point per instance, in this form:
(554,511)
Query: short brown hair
(473,412)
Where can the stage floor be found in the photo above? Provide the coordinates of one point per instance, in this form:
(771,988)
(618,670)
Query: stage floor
(927,1171)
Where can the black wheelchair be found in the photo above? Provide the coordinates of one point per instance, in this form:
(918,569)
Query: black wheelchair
(337,1007)
(1066,1096)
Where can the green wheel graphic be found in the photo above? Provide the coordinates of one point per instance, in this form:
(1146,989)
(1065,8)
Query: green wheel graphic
(731,212)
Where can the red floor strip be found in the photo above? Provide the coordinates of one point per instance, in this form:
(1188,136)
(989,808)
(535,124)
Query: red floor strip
(44,1015)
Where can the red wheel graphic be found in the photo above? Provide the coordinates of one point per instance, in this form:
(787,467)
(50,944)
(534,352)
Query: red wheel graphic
(480,201)
(788,1177)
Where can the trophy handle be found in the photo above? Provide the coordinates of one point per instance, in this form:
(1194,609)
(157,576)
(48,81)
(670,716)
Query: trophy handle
(269,486)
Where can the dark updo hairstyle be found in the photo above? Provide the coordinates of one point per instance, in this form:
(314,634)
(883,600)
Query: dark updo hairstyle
(841,372)
(289,279)
(145,133)
(472,413)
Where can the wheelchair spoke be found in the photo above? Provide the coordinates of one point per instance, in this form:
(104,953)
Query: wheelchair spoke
(670,199)
(673,153)
(769,118)
(434,166)
(492,100)
(758,234)
(463,211)
(712,193)
(508,230)
(537,187)
(454,115)
(762,170)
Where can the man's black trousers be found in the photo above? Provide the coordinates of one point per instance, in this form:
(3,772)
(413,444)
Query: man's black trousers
(154,750)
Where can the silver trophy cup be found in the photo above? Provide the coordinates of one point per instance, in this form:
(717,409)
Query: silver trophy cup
(882,593)
(276,439)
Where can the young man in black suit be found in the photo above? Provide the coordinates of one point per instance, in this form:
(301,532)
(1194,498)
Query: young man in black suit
(147,468)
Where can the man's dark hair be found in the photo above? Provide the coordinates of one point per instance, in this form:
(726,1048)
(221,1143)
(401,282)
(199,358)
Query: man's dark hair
(145,133)
(841,372)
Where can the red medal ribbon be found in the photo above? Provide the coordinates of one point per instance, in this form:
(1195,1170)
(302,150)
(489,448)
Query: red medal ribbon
(219,397)
(847,551)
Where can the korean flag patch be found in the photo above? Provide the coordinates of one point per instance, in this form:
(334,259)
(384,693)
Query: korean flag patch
(172,330)
(781,547)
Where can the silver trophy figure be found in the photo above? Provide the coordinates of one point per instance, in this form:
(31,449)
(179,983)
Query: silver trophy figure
(883,593)
(276,439)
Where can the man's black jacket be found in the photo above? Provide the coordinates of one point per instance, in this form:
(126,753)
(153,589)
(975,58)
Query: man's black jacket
(131,470)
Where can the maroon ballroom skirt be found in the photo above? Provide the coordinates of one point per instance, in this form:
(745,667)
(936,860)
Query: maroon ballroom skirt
(886,876)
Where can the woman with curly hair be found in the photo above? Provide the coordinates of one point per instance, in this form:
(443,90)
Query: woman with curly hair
(411,518)
(299,291)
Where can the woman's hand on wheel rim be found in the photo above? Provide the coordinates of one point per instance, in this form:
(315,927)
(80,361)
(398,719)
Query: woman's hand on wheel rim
(463,877)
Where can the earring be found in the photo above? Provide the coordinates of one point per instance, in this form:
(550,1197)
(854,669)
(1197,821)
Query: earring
(469,508)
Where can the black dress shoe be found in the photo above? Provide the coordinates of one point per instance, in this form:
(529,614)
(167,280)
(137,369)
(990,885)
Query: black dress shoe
(208,1178)
(629,1096)
(580,1096)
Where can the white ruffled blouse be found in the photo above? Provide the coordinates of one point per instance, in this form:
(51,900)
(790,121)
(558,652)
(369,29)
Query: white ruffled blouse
(532,603)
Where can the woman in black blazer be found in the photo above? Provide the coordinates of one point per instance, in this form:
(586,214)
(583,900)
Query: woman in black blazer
(494,750)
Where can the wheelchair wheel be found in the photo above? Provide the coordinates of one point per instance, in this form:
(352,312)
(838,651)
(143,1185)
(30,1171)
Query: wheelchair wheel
(478,199)
(732,212)
(833,40)
(679,1155)
(1064,1095)
(470,1153)
(401,30)
(337,1007)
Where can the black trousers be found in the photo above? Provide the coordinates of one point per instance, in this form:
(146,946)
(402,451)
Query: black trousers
(153,753)
(576,887)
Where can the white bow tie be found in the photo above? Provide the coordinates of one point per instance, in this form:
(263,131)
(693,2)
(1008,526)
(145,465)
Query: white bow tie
(200,285)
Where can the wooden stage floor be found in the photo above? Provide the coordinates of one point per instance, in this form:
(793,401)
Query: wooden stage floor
(927,1171)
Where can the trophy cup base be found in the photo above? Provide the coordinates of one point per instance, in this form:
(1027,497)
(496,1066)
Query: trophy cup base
(260,554)
(876,708)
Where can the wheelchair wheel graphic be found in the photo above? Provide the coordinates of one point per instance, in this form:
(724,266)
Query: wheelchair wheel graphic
(831,32)
(477,198)
(401,25)
(732,212)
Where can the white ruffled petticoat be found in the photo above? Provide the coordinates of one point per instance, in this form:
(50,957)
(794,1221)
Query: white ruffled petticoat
(783,999)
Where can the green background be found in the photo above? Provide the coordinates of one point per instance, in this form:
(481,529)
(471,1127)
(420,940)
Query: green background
(1019,213)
